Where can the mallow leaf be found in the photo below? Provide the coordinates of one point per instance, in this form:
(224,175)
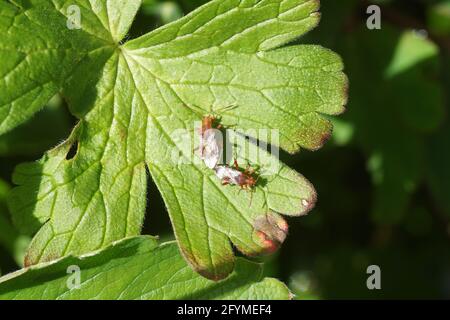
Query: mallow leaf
(139,269)
(137,101)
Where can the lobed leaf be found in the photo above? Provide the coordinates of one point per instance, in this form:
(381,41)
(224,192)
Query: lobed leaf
(137,268)
(132,99)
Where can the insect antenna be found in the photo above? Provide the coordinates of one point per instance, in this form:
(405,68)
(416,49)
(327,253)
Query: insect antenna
(196,109)
(226,109)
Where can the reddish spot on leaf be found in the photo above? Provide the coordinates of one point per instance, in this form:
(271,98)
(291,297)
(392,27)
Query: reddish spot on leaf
(270,245)
(271,230)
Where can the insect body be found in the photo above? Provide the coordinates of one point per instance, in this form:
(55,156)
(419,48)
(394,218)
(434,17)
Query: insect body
(211,149)
(209,122)
(211,142)
(235,176)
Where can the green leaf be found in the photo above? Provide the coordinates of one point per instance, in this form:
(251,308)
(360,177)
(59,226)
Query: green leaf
(132,99)
(38,51)
(10,238)
(137,268)
(411,50)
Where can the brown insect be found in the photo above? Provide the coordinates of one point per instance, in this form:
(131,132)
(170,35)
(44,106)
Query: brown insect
(235,176)
(210,122)
(211,141)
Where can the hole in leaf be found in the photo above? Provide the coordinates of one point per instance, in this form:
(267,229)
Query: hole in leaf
(73,151)
(157,221)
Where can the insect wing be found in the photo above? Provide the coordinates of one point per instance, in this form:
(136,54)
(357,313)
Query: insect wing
(212,147)
(229,174)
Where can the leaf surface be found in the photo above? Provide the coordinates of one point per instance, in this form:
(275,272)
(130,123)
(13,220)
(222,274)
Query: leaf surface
(137,268)
(133,99)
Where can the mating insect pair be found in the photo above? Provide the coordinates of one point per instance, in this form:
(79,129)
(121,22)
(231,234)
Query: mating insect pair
(235,176)
(211,148)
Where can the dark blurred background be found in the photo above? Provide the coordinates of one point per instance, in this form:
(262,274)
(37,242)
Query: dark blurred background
(383,180)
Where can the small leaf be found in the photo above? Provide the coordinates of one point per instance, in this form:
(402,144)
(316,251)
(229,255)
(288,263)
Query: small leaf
(137,268)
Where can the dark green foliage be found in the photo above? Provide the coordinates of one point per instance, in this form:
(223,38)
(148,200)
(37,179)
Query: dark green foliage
(383,181)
